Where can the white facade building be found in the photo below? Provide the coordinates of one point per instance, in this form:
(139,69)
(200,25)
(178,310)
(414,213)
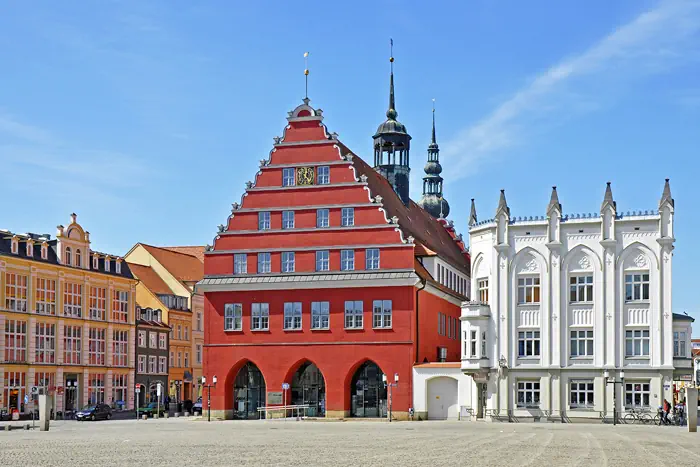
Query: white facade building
(560,302)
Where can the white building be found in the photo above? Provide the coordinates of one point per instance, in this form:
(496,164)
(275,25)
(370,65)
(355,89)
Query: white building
(562,303)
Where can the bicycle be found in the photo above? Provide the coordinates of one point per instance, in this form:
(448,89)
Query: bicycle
(638,415)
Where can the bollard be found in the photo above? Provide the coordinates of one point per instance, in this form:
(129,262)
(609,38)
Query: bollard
(7,427)
(177,414)
(166,415)
(44,412)
(144,417)
(187,414)
(26,427)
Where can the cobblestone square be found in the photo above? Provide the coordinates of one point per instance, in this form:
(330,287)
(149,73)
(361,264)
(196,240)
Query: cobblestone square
(356,443)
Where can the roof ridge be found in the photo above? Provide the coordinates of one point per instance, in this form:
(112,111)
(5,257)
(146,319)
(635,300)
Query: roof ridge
(162,248)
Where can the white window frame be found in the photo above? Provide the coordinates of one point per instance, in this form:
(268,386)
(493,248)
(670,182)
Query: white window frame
(354,314)
(292,316)
(323,175)
(482,286)
(98,303)
(45,296)
(532,346)
(529,291)
(581,288)
(153,340)
(287,219)
(198,353)
(264,220)
(372,258)
(120,306)
(97,344)
(288,176)
(642,389)
(320,315)
(347,217)
(120,348)
(152,364)
(323,262)
(162,341)
(233,317)
(382,311)
(16,291)
(679,344)
(260,317)
(73,293)
(585,394)
(264,263)
(142,339)
(640,341)
(637,286)
(473,343)
(288,261)
(240,263)
(162,365)
(347,260)
(15,342)
(142,364)
(45,343)
(527,388)
(323,218)
(581,339)
(72,354)
(95,262)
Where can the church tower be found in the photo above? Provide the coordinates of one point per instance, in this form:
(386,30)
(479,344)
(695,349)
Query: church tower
(432,200)
(391,147)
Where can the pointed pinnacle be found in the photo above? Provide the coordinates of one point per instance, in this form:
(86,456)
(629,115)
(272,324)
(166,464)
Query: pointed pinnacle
(554,200)
(502,204)
(472,214)
(666,195)
(608,199)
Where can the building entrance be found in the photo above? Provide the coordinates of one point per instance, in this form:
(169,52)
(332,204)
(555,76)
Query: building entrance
(368,392)
(309,387)
(249,392)
(71,393)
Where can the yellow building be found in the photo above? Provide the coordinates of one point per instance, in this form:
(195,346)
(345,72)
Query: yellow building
(167,278)
(67,321)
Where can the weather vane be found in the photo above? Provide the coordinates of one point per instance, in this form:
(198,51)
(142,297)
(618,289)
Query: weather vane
(306,72)
(391,54)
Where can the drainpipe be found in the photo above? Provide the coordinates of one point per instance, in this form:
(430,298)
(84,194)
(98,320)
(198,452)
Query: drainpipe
(423,283)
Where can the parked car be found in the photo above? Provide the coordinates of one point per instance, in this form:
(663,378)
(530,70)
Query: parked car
(151,409)
(94,412)
(197,407)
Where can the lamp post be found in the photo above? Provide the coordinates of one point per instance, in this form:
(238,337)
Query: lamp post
(208,386)
(395,384)
(611,380)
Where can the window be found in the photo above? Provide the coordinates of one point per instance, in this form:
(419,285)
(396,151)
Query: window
(582,343)
(483,345)
(320,315)
(15,341)
(581,394)
(153,340)
(71,345)
(381,314)
(292,315)
(172,359)
(322,218)
(45,296)
(152,364)
(472,343)
(142,339)
(15,292)
(372,258)
(198,353)
(179,359)
(288,177)
(30,249)
(636,287)
(107,263)
(483,286)
(637,343)
(14,246)
(98,303)
(44,251)
(45,340)
(528,290)
(162,365)
(120,384)
(69,260)
(264,262)
(441,324)
(162,341)
(233,317)
(179,332)
(637,394)
(120,306)
(679,344)
(120,342)
(287,261)
(72,300)
(187,359)
(353,315)
(96,346)
(264,220)
(45,380)
(118,267)
(528,344)
(78,259)
(347,260)
(96,388)
(528,394)
(187,333)
(260,317)
(95,262)
(322,262)
(240,263)
(287,219)
(15,383)
(347,217)
(324,175)
(580,289)
(199,321)
(442,354)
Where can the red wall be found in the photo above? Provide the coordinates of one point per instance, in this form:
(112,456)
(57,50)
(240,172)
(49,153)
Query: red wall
(429,306)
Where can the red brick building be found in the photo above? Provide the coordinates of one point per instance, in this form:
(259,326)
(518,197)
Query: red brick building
(327,276)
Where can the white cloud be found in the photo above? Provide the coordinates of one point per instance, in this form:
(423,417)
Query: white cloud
(651,43)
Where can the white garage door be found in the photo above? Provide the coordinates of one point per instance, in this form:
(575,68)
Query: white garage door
(442,398)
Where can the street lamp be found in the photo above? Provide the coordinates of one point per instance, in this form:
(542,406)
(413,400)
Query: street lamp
(395,384)
(611,380)
(208,386)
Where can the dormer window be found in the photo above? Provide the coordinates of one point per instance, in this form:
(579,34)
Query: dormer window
(78,258)
(119,267)
(67,258)
(107,264)
(14,246)
(95,262)
(44,251)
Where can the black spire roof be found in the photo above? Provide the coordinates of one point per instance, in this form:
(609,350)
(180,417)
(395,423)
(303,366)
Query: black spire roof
(432,200)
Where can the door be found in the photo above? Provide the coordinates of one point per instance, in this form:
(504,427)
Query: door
(442,398)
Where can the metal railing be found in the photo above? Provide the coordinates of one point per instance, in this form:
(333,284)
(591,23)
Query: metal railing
(283,411)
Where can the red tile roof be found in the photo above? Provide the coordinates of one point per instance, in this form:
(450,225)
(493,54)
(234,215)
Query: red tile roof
(430,235)
(196,251)
(150,279)
(184,267)
(425,275)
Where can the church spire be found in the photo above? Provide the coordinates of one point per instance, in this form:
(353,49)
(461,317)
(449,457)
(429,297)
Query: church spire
(432,200)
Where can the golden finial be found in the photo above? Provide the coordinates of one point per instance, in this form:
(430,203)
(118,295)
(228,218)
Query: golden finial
(306,72)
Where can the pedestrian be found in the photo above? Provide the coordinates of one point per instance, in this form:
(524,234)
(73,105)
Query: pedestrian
(667,409)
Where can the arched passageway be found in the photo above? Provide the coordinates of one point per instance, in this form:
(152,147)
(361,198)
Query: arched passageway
(368,392)
(248,392)
(309,388)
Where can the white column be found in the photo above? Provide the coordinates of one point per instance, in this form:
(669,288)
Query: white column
(609,309)
(665,311)
(554,356)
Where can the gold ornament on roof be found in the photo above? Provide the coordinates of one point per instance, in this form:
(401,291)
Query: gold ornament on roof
(305,176)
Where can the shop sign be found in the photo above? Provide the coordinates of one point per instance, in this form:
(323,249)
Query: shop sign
(274,398)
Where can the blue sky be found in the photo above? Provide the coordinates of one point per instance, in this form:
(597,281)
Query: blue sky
(147,117)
